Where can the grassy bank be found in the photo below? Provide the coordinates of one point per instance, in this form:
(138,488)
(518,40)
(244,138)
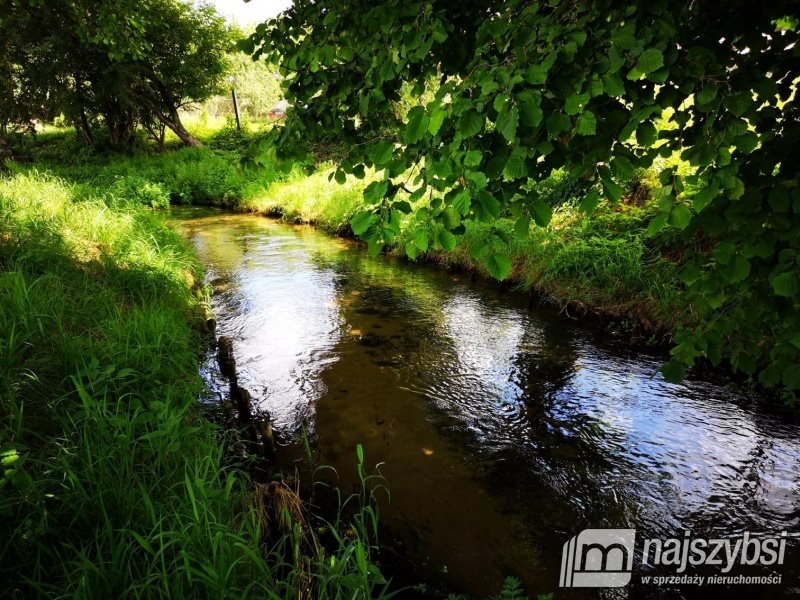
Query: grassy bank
(603,264)
(600,264)
(112,485)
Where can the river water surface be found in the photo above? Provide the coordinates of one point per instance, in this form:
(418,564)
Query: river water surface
(503,431)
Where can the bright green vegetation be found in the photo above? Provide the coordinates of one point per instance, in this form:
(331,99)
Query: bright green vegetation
(505,94)
(130,65)
(605,263)
(113,485)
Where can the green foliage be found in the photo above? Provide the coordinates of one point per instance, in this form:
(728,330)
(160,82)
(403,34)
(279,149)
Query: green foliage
(139,189)
(113,485)
(257,88)
(127,62)
(526,87)
(209,176)
(512,589)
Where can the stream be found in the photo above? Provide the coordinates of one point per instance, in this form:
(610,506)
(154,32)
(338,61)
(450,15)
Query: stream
(502,430)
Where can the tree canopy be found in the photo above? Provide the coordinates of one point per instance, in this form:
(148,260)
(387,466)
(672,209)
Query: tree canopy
(128,62)
(520,88)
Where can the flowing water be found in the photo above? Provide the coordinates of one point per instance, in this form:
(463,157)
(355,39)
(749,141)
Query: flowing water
(503,431)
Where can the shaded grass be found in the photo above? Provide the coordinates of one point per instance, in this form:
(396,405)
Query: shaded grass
(112,485)
(581,265)
(603,264)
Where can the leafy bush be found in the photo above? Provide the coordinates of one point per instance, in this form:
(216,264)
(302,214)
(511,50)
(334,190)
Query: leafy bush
(141,191)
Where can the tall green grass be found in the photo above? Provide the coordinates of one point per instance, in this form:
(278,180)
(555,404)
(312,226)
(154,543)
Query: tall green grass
(111,484)
(604,263)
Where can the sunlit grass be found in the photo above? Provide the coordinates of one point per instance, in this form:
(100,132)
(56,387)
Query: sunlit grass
(112,484)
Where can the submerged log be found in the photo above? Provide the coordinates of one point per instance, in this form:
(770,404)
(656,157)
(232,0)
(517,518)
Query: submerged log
(225,359)
(267,438)
(251,428)
(244,404)
(210,319)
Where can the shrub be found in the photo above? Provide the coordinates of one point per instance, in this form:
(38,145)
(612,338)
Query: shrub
(140,191)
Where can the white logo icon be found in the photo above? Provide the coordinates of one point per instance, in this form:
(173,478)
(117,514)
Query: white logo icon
(598,558)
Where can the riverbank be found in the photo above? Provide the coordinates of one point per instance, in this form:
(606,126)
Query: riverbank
(604,264)
(113,483)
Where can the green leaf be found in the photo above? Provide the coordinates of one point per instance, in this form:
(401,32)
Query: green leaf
(451,217)
(375,191)
(462,201)
(531,113)
(447,240)
(746,143)
(501,102)
(622,167)
(646,134)
(707,94)
(473,158)
(477,178)
(421,240)
(515,167)
(374,246)
(615,60)
(613,85)
(587,123)
(650,60)
(381,153)
(361,222)
(522,226)
(499,266)
(791,377)
(403,206)
(556,123)
(689,274)
(680,216)
(507,122)
(704,197)
(784,285)
(542,212)
(435,121)
(739,269)
(411,249)
(575,103)
(590,201)
(770,376)
(491,206)
(724,252)
(739,103)
(470,123)
(612,190)
(673,371)
(537,74)
(657,223)
(417,124)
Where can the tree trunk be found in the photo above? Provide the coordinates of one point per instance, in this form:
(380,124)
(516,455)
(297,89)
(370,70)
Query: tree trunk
(166,111)
(84,128)
(173,121)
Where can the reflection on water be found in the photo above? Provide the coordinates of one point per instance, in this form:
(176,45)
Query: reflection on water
(503,431)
